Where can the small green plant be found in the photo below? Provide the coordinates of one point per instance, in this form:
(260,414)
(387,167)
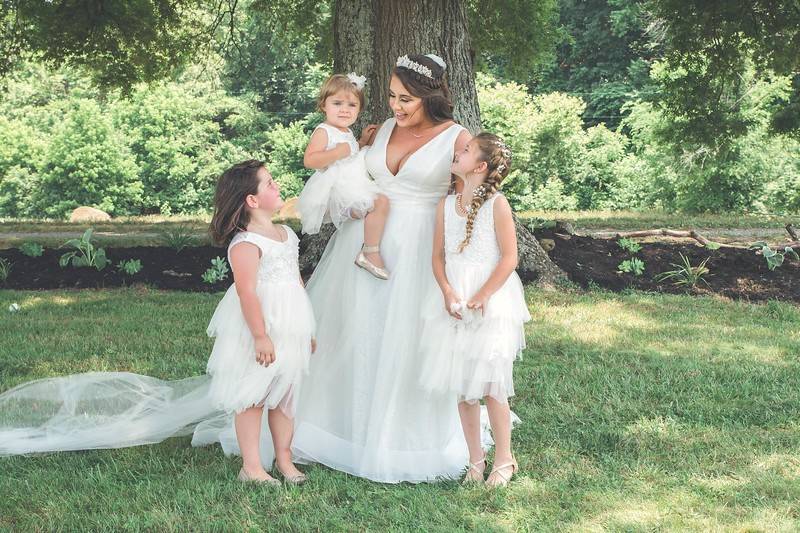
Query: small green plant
(179,237)
(31,249)
(85,254)
(685,274)
(217,272)
(629,245)
(633,266)
(129,266)
(5,269)
(713,245)
(774,258)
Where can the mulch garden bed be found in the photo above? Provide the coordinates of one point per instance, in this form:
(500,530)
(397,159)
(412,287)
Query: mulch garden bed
(162,267)
(734,273)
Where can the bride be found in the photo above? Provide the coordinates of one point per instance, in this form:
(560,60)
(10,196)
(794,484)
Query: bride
(360,410)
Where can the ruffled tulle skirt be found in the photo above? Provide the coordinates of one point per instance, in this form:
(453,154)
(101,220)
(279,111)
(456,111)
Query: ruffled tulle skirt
(473,357)
(238,380)
(330,195)
(362,410)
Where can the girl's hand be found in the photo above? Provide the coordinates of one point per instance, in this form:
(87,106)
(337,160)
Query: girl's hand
(366,134)
(478,301)
(313,345)
(343,150)
(265,351)
(451,300)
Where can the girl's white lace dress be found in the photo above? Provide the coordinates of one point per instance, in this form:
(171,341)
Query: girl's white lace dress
(473,357)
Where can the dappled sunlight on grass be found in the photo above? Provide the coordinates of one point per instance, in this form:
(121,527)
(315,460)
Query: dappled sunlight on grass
(667,325)
(624,515)
(784,465)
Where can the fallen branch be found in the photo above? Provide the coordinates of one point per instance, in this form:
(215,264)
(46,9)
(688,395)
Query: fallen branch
(686,234)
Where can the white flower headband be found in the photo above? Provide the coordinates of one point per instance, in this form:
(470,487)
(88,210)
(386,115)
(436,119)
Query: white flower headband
(405,62)
(505,151)
(357,80)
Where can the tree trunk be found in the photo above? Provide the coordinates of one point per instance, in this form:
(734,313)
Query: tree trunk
(369,35)
(354,50)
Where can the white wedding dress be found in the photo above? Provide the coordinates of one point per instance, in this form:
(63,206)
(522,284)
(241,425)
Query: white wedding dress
(362,409)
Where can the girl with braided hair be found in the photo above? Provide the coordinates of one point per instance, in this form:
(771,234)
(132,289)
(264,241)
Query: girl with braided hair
(471,343)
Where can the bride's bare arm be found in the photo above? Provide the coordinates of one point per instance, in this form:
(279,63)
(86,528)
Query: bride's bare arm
(368,135)
(450,297)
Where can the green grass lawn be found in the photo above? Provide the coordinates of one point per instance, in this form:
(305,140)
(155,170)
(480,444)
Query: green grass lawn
(640,412)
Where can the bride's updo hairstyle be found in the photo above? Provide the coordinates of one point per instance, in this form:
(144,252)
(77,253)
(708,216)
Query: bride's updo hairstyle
(433,90)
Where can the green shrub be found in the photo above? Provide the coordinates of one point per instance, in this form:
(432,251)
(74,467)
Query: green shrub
(88,163)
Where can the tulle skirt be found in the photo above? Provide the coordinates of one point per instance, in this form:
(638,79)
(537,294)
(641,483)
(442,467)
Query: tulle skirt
(331,194)
(361,408)
(238,380)
(473,357)
(97,410)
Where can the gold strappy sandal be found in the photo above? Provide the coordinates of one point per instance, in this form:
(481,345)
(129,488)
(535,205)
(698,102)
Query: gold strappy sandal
(473,470)
(497,472)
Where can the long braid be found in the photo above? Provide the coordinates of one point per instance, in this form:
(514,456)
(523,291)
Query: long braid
(498,159)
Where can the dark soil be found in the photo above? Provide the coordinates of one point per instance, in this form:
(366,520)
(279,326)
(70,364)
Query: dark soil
(162,267)
(735,273)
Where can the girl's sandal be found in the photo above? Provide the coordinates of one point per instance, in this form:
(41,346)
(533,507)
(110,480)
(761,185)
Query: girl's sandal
(243,476)
(498,472)
(297,479)
(474,474)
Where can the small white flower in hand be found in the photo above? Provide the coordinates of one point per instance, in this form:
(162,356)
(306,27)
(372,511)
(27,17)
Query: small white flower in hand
(13,308)
(467,315)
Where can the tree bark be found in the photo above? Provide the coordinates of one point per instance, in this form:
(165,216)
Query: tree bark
(369,35)
(354,49)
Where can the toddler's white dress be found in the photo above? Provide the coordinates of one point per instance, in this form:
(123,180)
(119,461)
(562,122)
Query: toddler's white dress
(330,194)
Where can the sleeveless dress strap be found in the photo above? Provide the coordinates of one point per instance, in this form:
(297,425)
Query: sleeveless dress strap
(290,234)
(245,236)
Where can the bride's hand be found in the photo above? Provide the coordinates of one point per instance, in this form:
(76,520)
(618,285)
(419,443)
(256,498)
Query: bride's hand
(313,345)
(451,301)
(366,134)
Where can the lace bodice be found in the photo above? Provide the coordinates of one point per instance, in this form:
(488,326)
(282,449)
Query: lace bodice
(336,136)
(279,260)
(482,248)
(425,175)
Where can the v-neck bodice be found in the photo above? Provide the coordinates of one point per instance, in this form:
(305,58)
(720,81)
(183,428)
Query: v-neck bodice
(424,176)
